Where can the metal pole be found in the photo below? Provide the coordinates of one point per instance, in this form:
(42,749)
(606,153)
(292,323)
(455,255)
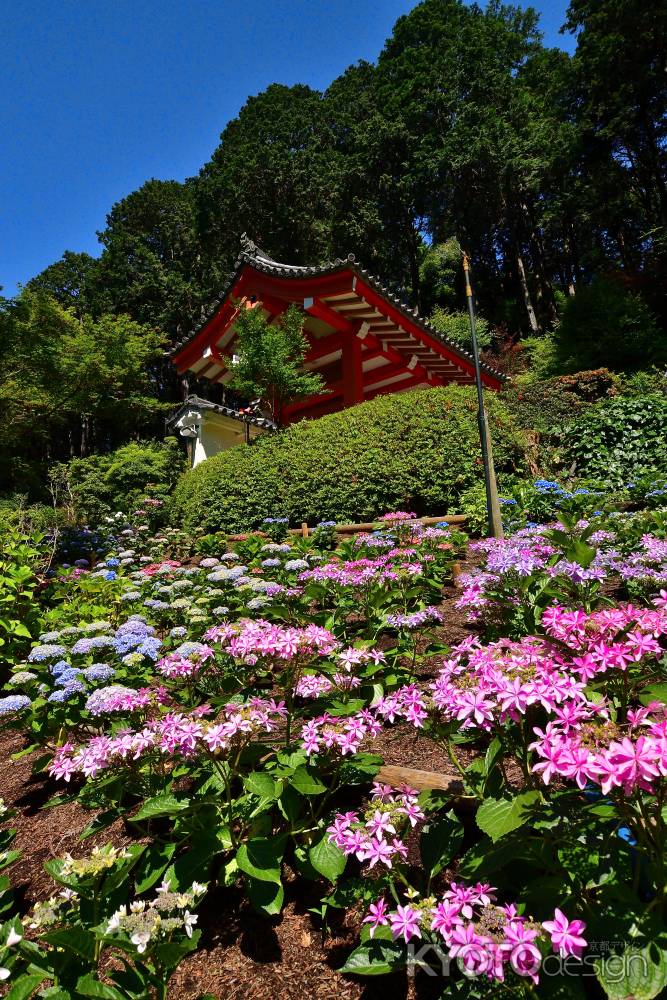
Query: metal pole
(492,505)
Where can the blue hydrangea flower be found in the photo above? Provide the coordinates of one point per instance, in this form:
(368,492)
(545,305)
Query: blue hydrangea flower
(178,632)
(113,562)
(271,563)
(59,695)
(39,654)
(294,565)
(14,703)
(150,647)
(68,676)
(58,667)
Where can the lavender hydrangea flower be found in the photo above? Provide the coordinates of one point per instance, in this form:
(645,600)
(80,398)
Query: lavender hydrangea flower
(14,703)
(99,672)
(271,563)
(39,654)
(97,702)
(188,648)
(49,636)
(209,562)
(86,645)
(296,565)
(226,575)
(151,602)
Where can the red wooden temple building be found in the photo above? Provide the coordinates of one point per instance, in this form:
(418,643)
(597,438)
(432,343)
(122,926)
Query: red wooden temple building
(363,341)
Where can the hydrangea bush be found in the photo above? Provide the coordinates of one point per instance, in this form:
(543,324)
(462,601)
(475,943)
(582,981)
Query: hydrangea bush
(235,705)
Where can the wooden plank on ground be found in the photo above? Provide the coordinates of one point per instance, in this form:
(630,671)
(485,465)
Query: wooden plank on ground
(393,775)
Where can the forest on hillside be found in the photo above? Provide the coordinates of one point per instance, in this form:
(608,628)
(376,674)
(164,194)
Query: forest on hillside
(467,132)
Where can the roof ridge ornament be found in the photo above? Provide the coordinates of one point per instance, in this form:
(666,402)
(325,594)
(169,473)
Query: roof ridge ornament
(250,248)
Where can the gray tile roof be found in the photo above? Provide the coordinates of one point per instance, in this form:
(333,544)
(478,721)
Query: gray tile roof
(253,256)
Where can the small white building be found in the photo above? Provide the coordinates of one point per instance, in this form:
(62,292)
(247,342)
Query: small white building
(211,427)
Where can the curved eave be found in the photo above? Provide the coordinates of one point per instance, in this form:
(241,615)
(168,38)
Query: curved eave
(256,275)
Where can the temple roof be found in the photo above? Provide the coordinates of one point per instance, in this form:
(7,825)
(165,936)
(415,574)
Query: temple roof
(245,416)
(340,294)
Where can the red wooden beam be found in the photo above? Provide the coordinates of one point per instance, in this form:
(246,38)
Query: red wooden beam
(353,376)
(396,386)
(386,371)
(333,390)
(296,289)
(373,353)
(387,309)
(321,346)
(324,312)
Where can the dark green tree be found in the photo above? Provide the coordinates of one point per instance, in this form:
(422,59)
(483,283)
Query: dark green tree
(70,281)
(272,177)
(621,65)
(151,266)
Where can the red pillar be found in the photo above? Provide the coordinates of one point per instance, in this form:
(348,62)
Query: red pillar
(353,378)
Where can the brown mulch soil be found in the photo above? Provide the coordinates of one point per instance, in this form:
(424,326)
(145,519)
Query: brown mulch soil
(240,954)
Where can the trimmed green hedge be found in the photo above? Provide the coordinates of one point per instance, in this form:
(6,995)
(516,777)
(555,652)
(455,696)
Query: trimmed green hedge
(416,450)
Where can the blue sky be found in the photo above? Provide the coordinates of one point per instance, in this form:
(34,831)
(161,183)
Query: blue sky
(98,96)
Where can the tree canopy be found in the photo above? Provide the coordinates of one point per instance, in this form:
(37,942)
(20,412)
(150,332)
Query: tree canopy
(467,132)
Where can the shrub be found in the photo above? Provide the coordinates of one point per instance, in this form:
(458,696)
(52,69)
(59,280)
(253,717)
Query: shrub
(604,324)
(417,450)
(119,480)
(619,439)
(455,325)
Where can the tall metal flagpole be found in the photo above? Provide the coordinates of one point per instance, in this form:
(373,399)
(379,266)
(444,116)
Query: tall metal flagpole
(492,505)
